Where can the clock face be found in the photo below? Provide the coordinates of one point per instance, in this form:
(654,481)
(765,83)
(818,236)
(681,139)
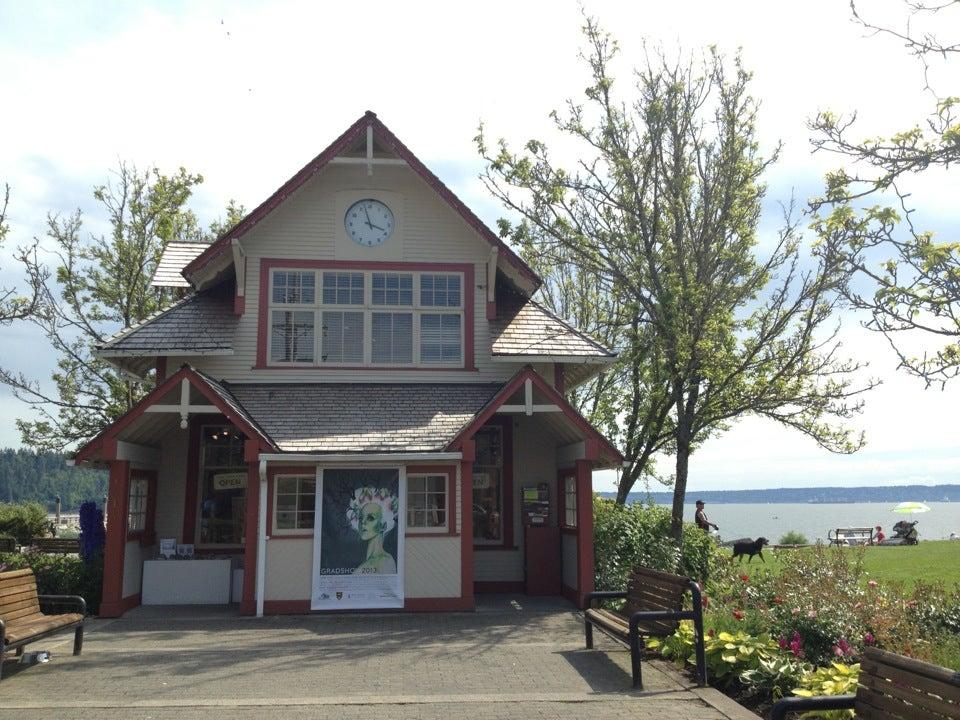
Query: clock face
(369,222)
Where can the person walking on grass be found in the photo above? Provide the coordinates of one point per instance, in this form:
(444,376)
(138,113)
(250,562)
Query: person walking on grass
(700,518)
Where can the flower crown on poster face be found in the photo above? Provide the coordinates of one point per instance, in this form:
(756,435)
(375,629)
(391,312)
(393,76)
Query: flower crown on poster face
(389,504)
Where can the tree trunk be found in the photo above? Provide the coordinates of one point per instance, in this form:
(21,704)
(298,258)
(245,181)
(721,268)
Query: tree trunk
(680,486)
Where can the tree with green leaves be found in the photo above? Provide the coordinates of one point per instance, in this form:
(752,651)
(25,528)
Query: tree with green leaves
(903,277)
(97,285)
(662,207)
(15,305)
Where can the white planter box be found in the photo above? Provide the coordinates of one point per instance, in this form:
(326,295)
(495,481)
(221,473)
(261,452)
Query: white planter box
(186,582)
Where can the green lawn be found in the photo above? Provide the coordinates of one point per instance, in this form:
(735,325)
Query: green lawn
(930,560)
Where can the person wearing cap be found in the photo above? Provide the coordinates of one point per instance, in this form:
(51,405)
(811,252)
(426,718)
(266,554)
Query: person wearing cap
(700,518)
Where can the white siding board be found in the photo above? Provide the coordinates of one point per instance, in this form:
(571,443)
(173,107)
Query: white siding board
(289,569)
(432,567)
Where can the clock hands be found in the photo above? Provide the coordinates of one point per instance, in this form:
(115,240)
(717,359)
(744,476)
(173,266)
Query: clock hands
(367,213)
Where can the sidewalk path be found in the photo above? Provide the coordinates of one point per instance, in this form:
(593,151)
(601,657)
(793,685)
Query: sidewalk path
(507,661)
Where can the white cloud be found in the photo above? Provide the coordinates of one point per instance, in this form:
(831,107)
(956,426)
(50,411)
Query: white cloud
(247,92)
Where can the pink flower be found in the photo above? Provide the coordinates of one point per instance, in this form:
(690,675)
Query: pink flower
(869,639)
(795,611)
(705,601)
(872,583)
(738,614)
(783,643)
(777,600)
(811,613)
(842,648)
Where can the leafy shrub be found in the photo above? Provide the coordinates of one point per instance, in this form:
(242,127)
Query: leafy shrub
(61,574)
(794,538)
(626,536)
(837,679)
(727,654)
(23,522)
(774,677)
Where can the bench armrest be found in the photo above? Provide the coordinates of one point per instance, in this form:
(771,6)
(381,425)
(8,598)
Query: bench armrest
(73,603)
(802,704)
(605,595)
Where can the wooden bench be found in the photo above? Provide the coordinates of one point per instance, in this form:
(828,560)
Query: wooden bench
(26,616)
(851,536)
(891,687)
(56,546)
(8,544)
(653,607)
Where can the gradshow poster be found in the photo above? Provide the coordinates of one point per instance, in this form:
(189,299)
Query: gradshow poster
(358,548)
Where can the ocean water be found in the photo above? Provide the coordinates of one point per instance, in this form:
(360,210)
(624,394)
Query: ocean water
(741,520)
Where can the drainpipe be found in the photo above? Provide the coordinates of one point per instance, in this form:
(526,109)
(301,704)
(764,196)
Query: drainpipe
(261,536)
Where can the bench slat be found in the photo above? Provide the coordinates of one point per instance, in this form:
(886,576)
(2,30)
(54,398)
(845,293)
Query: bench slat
(887,706)
(7,609)
(16,590)
(871,685)
(657,584)
(8,601)
(645,600)
(15,577)
(945,689)
(917,667)
(667,578)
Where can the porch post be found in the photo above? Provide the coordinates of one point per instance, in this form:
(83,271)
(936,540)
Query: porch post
(585,565)
(111,603)
(248,601)
(468,450)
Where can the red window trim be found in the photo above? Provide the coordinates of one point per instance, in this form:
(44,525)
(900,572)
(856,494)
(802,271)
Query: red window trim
(451,472)
(562,476)
(506,425)
(469,299)
(147,536)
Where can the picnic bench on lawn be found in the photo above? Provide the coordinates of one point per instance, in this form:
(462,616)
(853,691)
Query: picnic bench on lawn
(851,536)
(26,616)
(56,546)
(891,687)
(653,607)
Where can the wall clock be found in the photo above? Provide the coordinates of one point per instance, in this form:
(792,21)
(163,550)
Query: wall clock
(369,222)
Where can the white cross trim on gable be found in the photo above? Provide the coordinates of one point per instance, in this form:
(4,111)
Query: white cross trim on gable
(184,408)
(528,407)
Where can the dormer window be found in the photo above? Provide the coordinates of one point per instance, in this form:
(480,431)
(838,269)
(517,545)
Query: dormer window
(366,318)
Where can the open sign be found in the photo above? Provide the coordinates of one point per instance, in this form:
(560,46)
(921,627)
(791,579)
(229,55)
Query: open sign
(229,481)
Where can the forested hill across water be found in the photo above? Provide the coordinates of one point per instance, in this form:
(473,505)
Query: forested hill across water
(27,476)
(890,493)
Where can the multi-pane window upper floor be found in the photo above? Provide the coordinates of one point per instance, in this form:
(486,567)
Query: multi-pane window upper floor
(361,318)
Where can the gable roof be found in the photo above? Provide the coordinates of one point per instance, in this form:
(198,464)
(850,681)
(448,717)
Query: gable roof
(525,328)
(176,256)
(388,140)
(202,323)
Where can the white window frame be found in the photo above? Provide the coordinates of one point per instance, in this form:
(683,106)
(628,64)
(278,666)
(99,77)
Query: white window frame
(276,529)
(569,491)
(416,309)
(438,529)
(142,499)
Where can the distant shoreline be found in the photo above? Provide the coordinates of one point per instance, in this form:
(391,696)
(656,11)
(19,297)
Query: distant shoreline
(811,496)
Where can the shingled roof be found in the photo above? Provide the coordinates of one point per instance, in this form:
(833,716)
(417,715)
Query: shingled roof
(200,323)
(362,417)
(176,256)
(526,328)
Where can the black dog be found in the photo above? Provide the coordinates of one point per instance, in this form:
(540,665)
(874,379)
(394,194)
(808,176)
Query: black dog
(750,547)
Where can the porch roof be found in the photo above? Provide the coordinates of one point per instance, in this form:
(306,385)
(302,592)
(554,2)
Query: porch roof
(526,329)
(363,417)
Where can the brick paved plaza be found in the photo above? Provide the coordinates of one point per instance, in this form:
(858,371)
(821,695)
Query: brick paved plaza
(511,659)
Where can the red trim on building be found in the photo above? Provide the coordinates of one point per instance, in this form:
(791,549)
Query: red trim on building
(248,601)
(99,442)
(556,398)
(562,475)
(491,309)
(263,329)
(239,304)
(451,472)
(111,603)
(381,133)
(129,603)
(147,536)
(585,563)
(466,521)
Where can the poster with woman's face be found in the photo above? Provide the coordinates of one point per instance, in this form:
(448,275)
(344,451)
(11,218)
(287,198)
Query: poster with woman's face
(361,516)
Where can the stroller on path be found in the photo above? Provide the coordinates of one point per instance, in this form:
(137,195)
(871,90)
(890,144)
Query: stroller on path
(904,533)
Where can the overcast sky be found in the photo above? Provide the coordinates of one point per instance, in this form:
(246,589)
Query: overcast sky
(246,92)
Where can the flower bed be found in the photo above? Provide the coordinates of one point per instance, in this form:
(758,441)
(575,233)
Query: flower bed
(801,631)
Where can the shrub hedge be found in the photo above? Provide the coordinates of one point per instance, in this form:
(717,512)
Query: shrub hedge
(25,521)
(61,574)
